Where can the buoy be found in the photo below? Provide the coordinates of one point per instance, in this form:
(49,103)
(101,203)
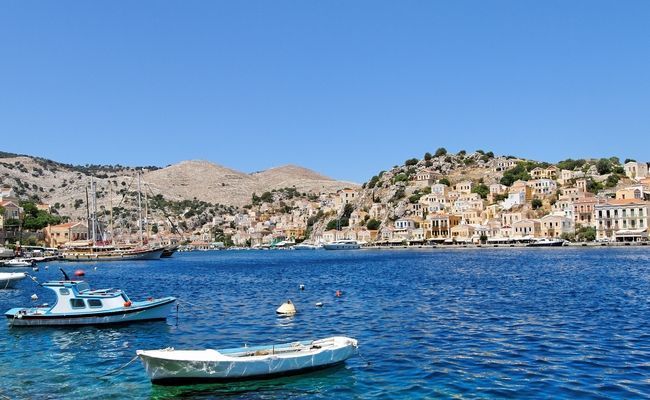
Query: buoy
(286,309)
(46,267)
(302,287)
(338,293)
(79,272)
(34,297)
(35,269)
(95,268)
(127,303)
(319,304)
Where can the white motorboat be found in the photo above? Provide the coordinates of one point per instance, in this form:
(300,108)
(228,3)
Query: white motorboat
(9,279)
(345,244)
(169,366)
(18,262)
(306,246)
(76,304)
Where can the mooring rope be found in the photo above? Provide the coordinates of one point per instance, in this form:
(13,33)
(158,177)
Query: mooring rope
(120,368)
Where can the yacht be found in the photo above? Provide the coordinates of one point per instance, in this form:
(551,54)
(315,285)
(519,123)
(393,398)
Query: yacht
(345,244)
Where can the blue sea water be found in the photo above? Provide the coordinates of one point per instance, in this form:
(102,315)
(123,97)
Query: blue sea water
(473,323)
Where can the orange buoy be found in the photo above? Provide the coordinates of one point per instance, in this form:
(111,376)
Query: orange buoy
(79,272)
(127,303)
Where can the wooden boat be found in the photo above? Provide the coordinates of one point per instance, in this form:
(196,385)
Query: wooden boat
(9,279)
(76,304)
(169,366)
(110,253)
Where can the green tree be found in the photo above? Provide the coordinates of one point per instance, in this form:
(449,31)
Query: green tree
(441,152)
(401,177)
(482,190)
(586,233)
(444,181)
(427,156)
(604,166)
(373,224)
(612,181)
(266,197)
(519,172)
(536,203)
(411,161)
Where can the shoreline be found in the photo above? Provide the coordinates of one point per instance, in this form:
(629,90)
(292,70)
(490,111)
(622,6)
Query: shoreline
(508,245)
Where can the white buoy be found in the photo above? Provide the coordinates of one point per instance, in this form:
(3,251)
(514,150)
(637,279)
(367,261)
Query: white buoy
(35,269)
(95,268)
(319,304)
(46,267)
(302,287)
(287,308)
(34,297)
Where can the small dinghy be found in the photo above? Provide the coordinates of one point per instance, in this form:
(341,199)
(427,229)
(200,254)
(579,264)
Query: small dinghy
(76,304)
(18,262)
(169,366)
(9,279)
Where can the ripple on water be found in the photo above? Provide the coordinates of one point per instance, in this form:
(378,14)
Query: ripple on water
(496,323)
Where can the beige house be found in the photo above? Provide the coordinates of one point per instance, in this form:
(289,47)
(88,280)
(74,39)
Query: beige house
(554,226)
(634,192)
(464,187)
(583,211)
(527,228)
(424,179)
(622,220)
(636,170)
(462,233)
(58,235)
(437,227)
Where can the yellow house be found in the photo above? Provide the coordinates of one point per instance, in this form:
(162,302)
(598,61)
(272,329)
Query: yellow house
(58,235)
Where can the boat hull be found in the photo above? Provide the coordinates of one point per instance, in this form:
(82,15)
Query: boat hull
(341,246)
(92,257)
(9,280)
(168,251)
(166,368)
(158,310)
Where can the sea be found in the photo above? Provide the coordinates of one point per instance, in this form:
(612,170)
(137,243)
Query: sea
(479,323)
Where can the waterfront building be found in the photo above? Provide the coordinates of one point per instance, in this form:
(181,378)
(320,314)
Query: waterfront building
(622,220)
(583,211)
(58,235)
(554,226)
(437,227)
(527,228)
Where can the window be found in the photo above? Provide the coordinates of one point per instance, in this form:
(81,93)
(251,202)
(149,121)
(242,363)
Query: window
(64,292)
(77,303)
(94,303)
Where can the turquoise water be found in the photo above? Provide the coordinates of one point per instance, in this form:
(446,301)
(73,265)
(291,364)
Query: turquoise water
(481,323)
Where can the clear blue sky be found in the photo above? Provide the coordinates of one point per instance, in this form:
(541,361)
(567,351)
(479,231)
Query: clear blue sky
(347,88)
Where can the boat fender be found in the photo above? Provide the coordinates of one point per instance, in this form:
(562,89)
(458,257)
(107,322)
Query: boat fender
(127,304)
(302,287)
(34,297)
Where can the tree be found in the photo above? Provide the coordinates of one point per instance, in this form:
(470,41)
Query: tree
(444,181)
(411,161)
(536,203)
(332,224)
(441,152)
(627,160)
(586,233)
(427,156)
(612,181)
(519,172)
(373,224)
(604,166)
(482,190)
(267,197)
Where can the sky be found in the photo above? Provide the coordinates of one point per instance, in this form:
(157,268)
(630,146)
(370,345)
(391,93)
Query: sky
(347,88)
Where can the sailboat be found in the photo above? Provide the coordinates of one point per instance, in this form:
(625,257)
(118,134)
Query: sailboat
(95,250)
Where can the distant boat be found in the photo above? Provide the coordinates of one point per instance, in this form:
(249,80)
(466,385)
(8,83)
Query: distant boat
(76,304)
(306,246)
(6,253)
(18,262)
(345,244)
(9,279)
(169,366)
(547,243)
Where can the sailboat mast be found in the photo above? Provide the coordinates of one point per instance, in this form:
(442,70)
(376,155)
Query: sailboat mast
(110,203)
(94,209)
(140,209)
(146,213)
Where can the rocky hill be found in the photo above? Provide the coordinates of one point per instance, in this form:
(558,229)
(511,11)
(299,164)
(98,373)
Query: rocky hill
(65,185)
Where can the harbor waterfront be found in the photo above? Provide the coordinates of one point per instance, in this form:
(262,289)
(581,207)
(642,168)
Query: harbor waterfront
(430,323)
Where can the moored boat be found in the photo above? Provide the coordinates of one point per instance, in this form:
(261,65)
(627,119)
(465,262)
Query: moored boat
(169,366)
(168,251)
(547,243)
(18,262)
(110,253)
(342,245)
(77,304)
(9,279)
(306,246)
